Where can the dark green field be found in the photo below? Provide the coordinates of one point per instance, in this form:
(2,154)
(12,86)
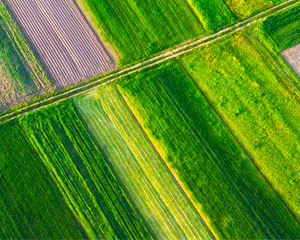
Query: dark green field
(234,197)
(31,207)
(283,28)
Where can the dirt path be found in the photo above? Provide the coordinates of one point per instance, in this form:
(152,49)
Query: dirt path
(163,57)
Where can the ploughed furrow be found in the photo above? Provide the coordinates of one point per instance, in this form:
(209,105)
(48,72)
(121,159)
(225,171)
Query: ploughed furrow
(42,38)
(145,176)
(63,39)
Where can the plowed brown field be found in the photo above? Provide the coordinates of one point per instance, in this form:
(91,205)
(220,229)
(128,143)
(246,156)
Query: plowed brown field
(63,39)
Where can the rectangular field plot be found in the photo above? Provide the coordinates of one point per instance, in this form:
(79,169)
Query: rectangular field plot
(254,98)
(84,179)
(151,186)
(228,190)
(21,76)
(62,38)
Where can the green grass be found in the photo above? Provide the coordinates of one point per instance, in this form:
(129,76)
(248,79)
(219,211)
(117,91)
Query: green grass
(214,14)
(246,8)
(85,180)
(236,200)
(257,102)
(31,206)
(144,174)
(283,28)
(138,29)
(20,73)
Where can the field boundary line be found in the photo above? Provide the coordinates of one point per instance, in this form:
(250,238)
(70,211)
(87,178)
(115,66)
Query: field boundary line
(156,60)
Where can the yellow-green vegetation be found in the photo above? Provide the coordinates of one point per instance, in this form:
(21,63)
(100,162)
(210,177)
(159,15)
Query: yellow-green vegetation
(247,8)
(31,206)
(283,28)
(256,101)
(21,74)
(237,201)
(145,176)
(83,177)
(213,14)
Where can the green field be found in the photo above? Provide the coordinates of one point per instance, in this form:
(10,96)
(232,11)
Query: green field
(31,206)
(85,180)
(138,29)
(258,103)
(246,8)
(283,28)
(20,73)
(234,197)
(213,14)
(140,168)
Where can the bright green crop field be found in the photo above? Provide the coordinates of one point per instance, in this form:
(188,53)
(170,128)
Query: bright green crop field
(234,197)
(258,103)
(20,73)
(138,29)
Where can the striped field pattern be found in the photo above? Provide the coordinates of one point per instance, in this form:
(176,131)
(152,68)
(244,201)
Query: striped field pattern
(63,39)
(152,187)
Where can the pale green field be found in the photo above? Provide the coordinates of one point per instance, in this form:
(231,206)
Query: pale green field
(148,181)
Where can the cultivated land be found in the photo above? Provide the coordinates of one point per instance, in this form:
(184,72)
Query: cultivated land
(31,206)
(138,29)
(21,76)
(232,195)
(205,144)
(81,174)
(255,99)
(63,40)
(283,28)
(145,176)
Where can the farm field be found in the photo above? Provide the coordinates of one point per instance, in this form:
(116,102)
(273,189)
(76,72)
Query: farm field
(138,29)
(246,8)
(64,41)
(21,76)
(31,206)
(148,181)
(262,112)
(134,119)
(87,183)
(283,28)
(236,200)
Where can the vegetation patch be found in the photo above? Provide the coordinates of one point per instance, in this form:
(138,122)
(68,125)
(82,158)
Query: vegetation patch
(283,28)
(143,173)
(234,197)
(258,103)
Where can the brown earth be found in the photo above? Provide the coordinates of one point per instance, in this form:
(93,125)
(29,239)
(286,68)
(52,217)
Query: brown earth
(63,39)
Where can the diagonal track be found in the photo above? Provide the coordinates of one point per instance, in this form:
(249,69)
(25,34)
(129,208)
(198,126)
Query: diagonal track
(160,58)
